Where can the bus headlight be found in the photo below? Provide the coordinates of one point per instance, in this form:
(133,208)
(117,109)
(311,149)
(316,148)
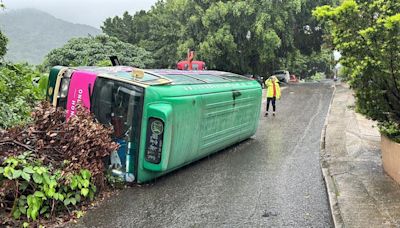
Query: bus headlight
(64,87)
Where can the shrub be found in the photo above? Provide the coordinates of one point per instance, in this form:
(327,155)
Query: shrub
(19,93)
(38,191)
(62,168)
(367,35)
(318,76)
(390,129)
(344,73)
(3,43)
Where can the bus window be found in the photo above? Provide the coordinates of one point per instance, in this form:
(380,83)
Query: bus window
(102,99)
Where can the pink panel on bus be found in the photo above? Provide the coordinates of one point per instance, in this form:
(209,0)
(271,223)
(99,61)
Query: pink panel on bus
(79,90)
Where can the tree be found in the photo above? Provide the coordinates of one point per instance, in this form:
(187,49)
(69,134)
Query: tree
(130,29)
(3,39)
(307,30)
(253,36)
(91,51)
(306,66)
(3,44)
(18,93)
(367,33)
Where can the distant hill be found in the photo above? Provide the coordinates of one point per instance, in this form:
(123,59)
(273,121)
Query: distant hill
(33,33)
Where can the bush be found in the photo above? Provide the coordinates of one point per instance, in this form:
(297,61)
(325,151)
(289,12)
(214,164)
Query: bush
(19,93)
(344,73)
(305,66)
(318,76)
(62,168)
(36,190)
(3,44)
(367,35)
(390,129)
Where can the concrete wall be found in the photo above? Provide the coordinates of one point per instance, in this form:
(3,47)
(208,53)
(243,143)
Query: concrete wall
(391,157)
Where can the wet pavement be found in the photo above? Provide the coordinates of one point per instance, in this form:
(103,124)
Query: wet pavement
(360,192)
(271,180)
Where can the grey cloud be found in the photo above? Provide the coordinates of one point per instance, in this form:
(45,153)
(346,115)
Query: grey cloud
(91,12)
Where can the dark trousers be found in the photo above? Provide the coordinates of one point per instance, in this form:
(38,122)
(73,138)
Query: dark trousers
(269,99)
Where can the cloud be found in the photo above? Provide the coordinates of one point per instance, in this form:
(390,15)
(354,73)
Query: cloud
(91,12)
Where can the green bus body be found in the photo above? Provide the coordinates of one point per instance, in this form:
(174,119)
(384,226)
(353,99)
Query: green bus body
(189,119)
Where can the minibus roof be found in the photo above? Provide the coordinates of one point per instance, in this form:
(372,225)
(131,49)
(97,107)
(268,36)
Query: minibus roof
(178,77)
(127,74)
(150,77)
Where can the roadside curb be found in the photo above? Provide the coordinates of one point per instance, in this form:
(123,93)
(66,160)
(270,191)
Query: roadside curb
(329,181)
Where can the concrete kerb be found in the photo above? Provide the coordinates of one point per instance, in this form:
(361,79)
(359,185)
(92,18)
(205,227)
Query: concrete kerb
(329,181)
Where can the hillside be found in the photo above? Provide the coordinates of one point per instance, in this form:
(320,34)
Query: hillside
(33,33)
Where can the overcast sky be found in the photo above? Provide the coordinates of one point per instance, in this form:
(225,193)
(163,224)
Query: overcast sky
(90,12)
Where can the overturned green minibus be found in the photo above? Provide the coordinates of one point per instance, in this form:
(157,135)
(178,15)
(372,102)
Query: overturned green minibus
(162,119)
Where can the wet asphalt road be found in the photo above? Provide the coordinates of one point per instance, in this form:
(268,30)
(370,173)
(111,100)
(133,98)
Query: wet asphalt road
(271,180)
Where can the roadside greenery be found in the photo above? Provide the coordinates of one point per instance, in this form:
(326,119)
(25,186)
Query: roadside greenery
(3,44)
(344,73)
(307,66)
(318,76)
(50,168)
(256,36)
(21,86)
(367,34)
(91,51)
(3,38)
(39,191)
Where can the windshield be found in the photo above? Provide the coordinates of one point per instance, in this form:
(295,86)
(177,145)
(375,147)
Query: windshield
(120,105)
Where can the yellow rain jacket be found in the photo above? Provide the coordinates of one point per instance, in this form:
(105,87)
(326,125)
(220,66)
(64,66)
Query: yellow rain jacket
(270,89)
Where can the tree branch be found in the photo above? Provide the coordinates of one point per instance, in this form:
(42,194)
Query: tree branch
(19,144)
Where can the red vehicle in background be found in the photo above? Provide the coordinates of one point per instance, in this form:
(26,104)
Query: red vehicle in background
(196,65)
(293,78)
(189,64)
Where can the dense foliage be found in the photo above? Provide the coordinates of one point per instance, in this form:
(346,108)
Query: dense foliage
(37,191)
(367,33)
(3,44)
(19,93)
(50,166)
(253,36)
(92,51)
(317,62)
(3,39)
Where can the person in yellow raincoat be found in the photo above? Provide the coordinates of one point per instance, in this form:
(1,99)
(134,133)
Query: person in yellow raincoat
(273,93)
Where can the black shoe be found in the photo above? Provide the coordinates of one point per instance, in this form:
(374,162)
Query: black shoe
(266,114)
(273,113)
